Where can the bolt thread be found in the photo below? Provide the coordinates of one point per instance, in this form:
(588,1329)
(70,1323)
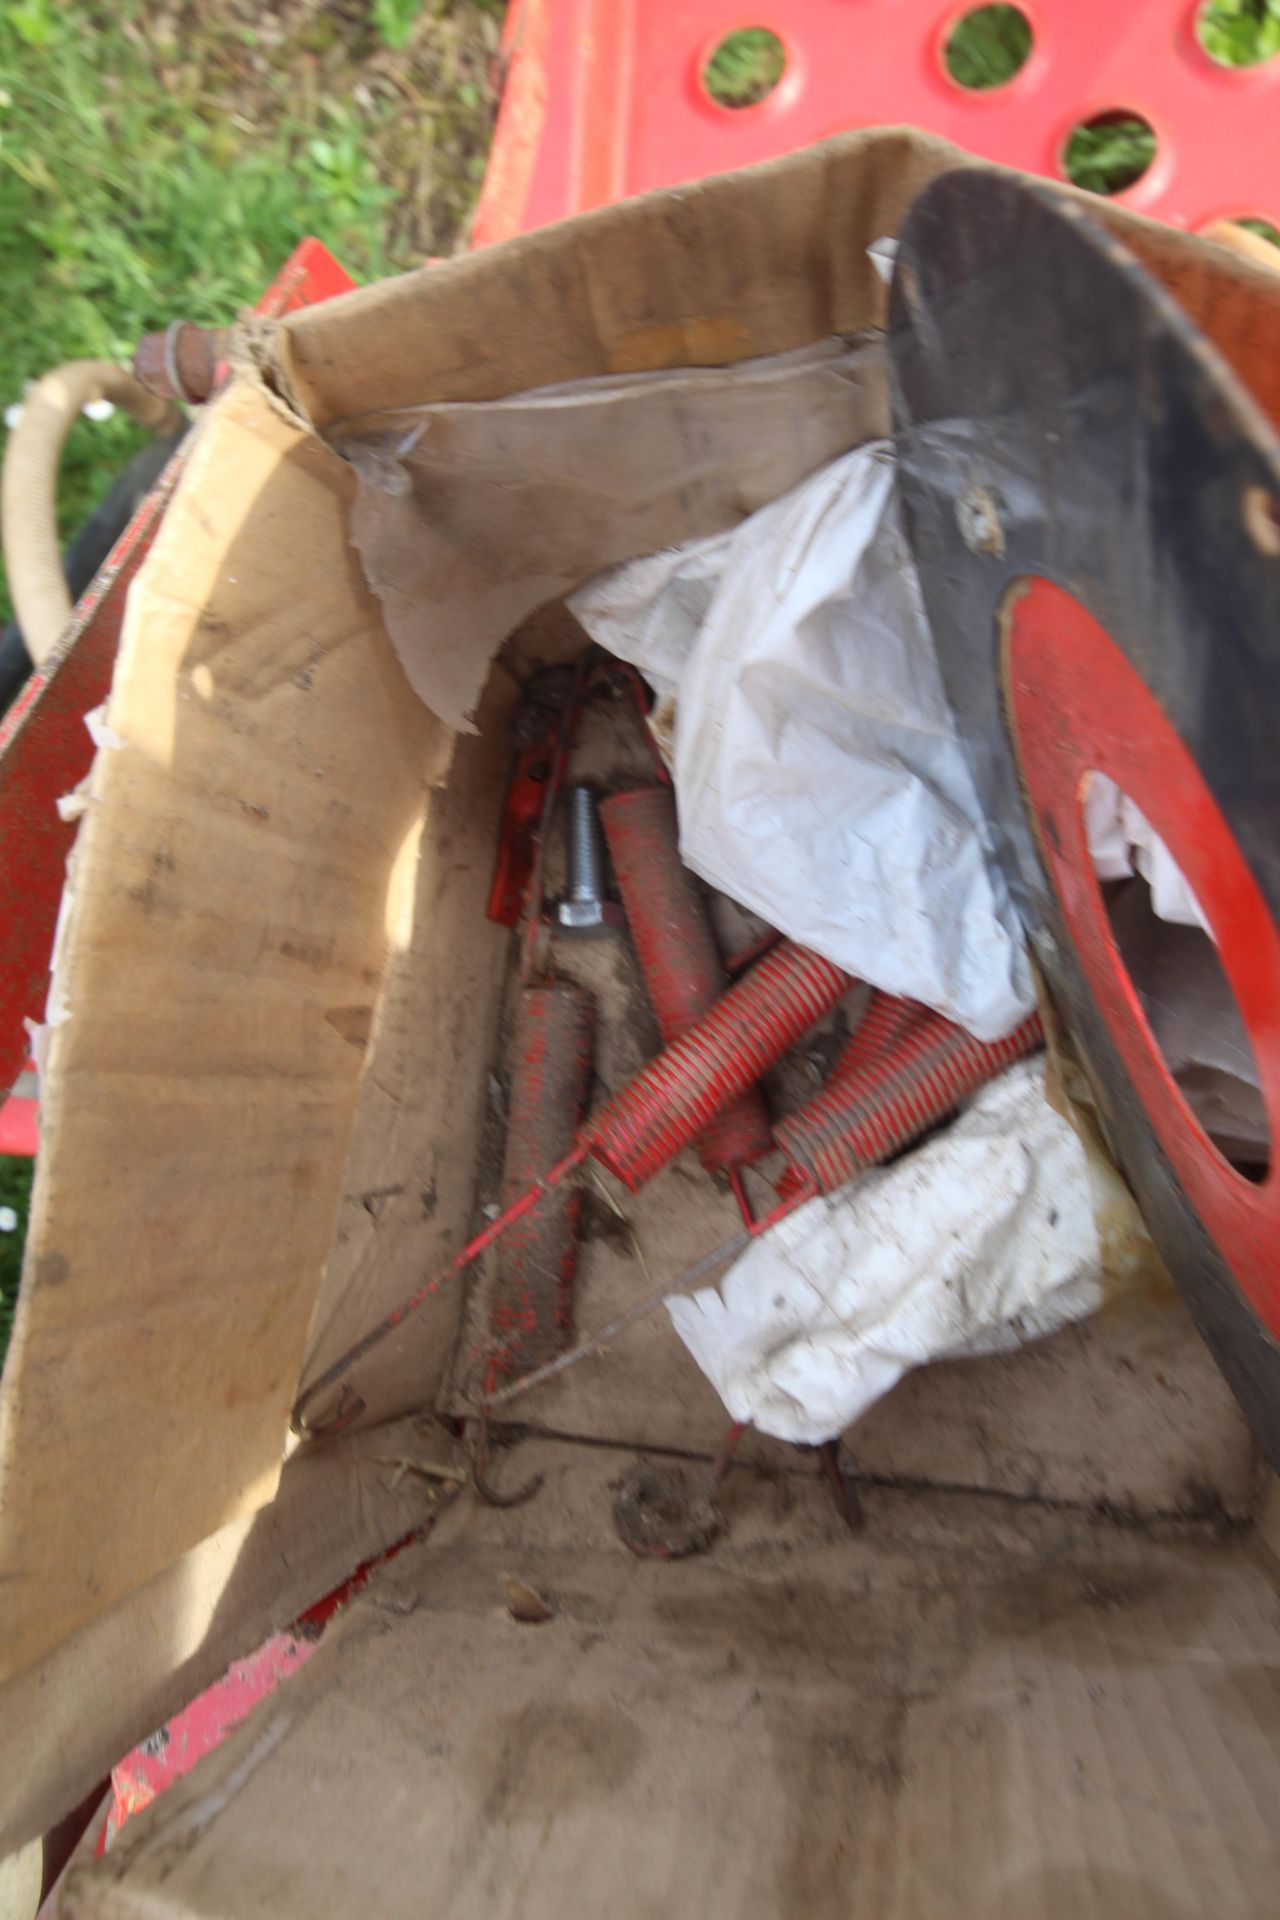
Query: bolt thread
(585,850)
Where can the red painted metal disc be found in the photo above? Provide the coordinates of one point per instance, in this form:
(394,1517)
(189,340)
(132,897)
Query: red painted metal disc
(1076,706)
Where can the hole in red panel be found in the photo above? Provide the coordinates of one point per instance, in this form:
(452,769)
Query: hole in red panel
(1262,520)
(1253,235)
(744,68)
(1239,33)
(1110,152)
(987,48)
(1265,229)
(1163,942)
(1078,708)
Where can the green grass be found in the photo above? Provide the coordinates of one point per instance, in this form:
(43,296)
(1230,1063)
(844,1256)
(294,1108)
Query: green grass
(989,46)
(161,162)
(1109,154)
(1240,33)
(15,1192)
(745,67)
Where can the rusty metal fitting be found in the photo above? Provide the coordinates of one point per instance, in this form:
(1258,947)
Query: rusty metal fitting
(182,362)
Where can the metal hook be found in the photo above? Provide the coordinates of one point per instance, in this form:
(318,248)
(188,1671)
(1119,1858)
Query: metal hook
(479,1454)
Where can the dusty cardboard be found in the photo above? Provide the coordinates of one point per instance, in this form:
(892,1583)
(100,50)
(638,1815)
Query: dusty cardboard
(65,1721)
(468,517)
(967,1711)
(221,966)
(244,860)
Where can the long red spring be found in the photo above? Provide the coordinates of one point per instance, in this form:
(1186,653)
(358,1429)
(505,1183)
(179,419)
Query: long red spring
(676,947)
(672,1100)
(877,1101)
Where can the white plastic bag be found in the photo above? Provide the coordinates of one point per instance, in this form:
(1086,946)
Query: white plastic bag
(819,777)
(1122,841)
(979,1241)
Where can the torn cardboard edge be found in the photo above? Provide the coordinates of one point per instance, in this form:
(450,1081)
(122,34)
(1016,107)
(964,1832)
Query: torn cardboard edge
(469,516)
(237,852)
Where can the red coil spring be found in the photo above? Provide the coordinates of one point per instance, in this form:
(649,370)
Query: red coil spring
(877,1102)
(750,1027)
(885,1022)
(677,951)
(532,1308)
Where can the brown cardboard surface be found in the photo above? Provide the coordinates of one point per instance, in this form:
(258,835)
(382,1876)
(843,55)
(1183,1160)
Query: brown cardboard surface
(221,962)
(463,526)
(408,1190)
(467,518)
(66,1721)
(973,1708)
(754,262)
(254,850)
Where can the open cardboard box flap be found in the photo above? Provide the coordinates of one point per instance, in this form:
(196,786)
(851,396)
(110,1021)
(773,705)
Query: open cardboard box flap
(275,990)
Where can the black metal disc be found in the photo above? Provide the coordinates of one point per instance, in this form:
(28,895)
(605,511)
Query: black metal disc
(1058,416)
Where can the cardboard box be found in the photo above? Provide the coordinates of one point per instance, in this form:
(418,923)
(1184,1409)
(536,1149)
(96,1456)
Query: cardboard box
(260,1124)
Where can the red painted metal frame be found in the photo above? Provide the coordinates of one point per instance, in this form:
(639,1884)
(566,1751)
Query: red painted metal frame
(45,749)
(175,1748)
(605,98)
(1077,705)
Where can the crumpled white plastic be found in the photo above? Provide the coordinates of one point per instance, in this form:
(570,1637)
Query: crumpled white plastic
(1122,841)
(819,777)
(977,1242)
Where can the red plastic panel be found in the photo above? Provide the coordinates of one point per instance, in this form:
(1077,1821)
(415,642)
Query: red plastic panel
(605,98)
(20,1116)
(1078,705)
(308,276)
